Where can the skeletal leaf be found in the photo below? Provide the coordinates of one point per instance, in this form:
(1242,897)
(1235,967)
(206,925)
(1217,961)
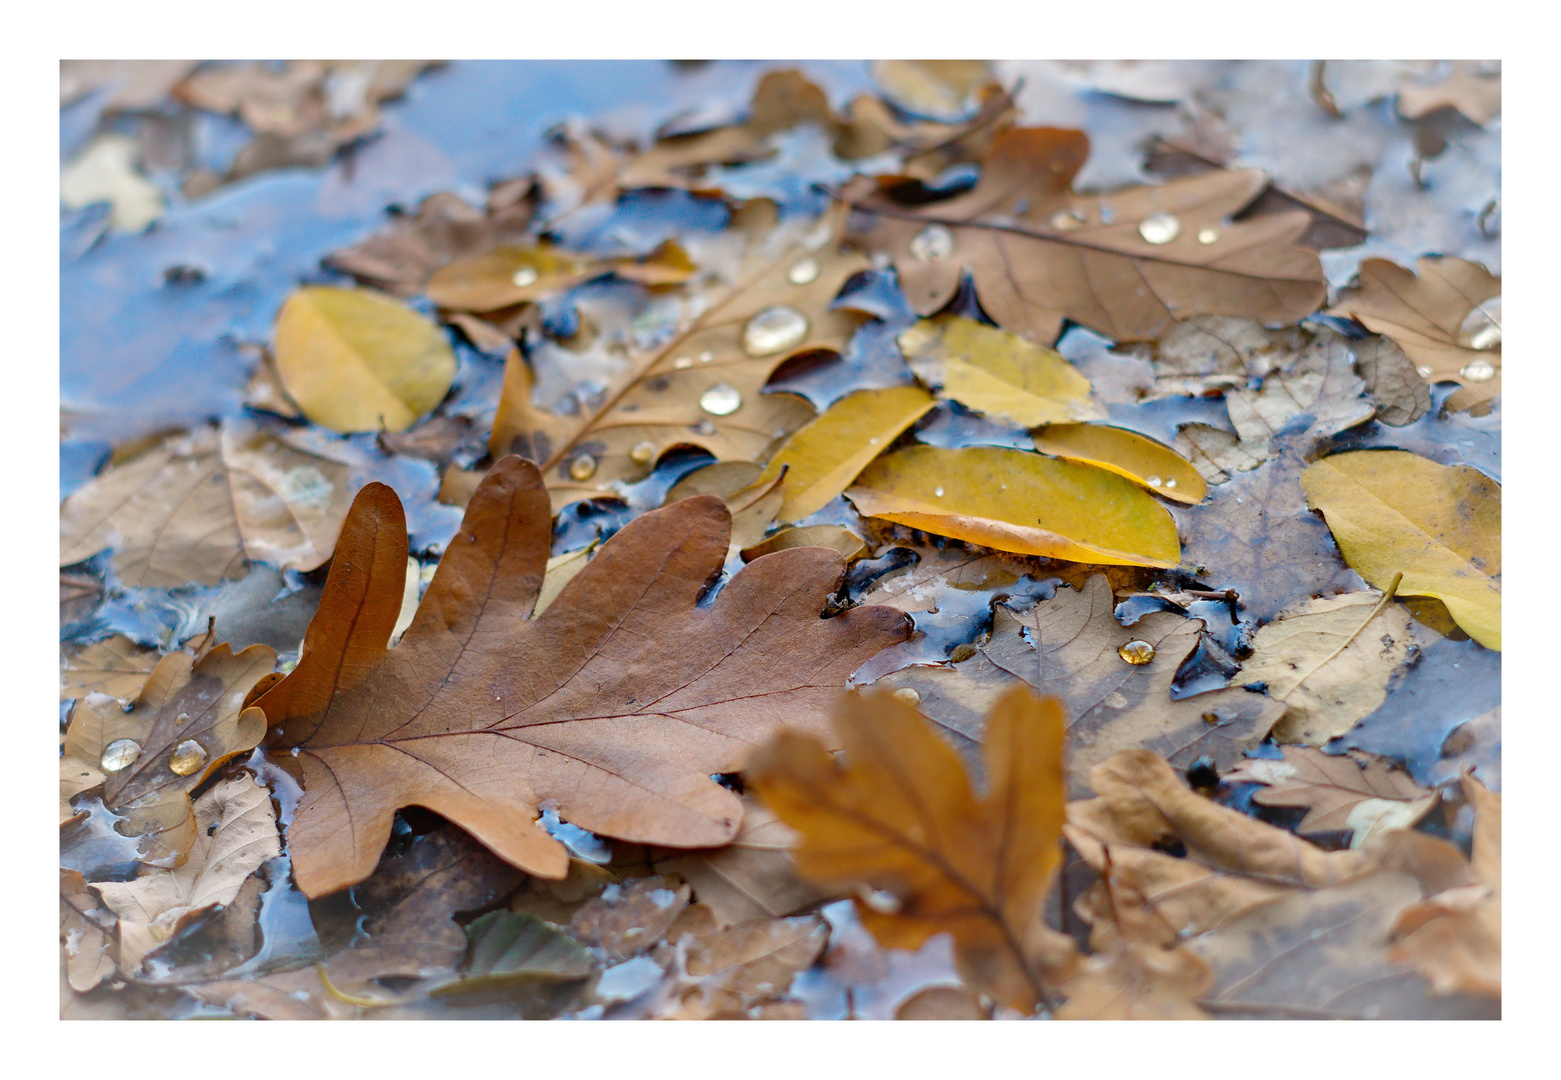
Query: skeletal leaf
(1354,792)
(1127,453)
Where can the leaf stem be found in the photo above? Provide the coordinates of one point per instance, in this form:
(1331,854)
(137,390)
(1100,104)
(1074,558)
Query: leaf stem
(351,999)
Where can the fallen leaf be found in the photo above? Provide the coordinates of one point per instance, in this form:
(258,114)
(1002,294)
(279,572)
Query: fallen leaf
(1447,320)
(823,456)
(133,85)
(85,929)
(235,833)
(1439,525)
(115,666)
(1070,647)
(1126,453)
(195,506)
(1471,87)
(354,360)
(509,274)
(1127,265)
(901,819)
(1136,982)
(997,373)
(626,920)
(752,496)
(106,172)
(937,89)
(1329,661)
(1021,502)
(727,971)
(843,540)
(944,1003)
(914,585)
(509,949)
(618,703)
(75,778)
(1356,793)
(1400,392)
(1214,354)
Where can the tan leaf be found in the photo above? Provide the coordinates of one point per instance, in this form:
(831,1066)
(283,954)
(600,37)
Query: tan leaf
(842,539)
(944,1003)
(728,971)
(1136,982)
(1356,792)
(1400,392)
(85,929)
(626,920)
(1470,87)
(914,587)
(510,274)
(75,777)
(115,666)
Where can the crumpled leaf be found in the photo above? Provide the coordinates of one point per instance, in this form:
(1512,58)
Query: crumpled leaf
(195,506)
(997,373)
(1439,525)
(1329,661)
(354,360)
(1471,87)
(115,666)
(235,833)
(1355,792)
(618,703)
(1040,253)
(1447,320)
(728,971)
(85,929)
(1021,502)
(901,819)
(509,948)
(1068,647)
(1126,453)
(509,274)
(658,400)
(823,456)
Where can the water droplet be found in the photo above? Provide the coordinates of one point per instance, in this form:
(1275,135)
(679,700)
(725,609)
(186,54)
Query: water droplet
(803,272)
(938,492)
(704,427)
(908,695)
(1160,228)
(1481,328)
(1066,220)
(706,357)
(119,754)
(1136,652)
(1478,371)
(773,330)
(682,362)
(873,441)
(884,903)
(1208,236)
(526,275)
(1423,371)
(722,399)
(583,467)
(932,243)
(1170,481)
(643,453)
(1152,481)
(187,757)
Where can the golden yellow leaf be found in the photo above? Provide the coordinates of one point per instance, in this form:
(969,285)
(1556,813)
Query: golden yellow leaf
(1127,453)
(356,360)
(997,373)
(1017,501)
(825,455)
(838,537)
(508,274)
(1440,525)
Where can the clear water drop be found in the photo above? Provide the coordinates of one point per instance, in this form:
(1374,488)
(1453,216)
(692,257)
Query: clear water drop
(1208,236)
(706,356)
(1160,228)
(583,467)
(722,399)
(1423,371)
(119,754)
(704,427)
(683,362)
(938,492)
(187,757)
(1170,481)
(773,330)
(525,276)
(1136,652)
(1067,220)
(1481,328)
(643,453)
(908,695)
(884,903)
(932,244)
(1152,481)
(803,272)
(1478,371)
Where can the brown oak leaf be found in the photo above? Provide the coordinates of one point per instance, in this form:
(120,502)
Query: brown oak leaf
(616,705)
(1355,792)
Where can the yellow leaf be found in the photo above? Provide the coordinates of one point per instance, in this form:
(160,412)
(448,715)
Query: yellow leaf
(997,373)
(355,360)
(1017,501)
(1440,525)
(824,455)
(1127,453)
(506,275)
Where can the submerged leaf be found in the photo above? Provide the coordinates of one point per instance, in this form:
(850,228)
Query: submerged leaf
(509,948)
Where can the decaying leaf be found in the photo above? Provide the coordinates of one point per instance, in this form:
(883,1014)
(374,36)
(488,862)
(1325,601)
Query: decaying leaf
(75,778)
(502,276)
(1472,87)
(354,360)
(727,972)
(85,933)
(914,585)
(195,506)
(1439,525)
(115,666)
(1126,453)
(1073,647)
(1399,390)
(617,703)
(1021,502)
(1329,661)
(997,373)
(626,920)
(1355,792)
(1127,265)
(508,949)
(902,820)
(1136,982)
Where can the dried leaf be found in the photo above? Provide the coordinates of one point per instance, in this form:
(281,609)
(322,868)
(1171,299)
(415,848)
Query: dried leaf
(1126,453)
(75,778)
(354,360)
(1137,982)
(944,1003)
(509,949)
(1400,392)
(617,703)
(626,920)
(115,666)
(84,933)
(1127,265)
(1470,87)
(1022,502)
(902,819)
(1356,793)
(997,373)
(937,89)
(195,506)
(843,540)
(134,85)
(508,274)
(728,971)
(1439,525)
(915,585)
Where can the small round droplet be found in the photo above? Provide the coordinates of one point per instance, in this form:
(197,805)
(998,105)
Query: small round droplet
(187,757)
(1067,220)
(773,330)
(643,453)
(704,427)
(722,399)
(938,492)
(683,362)
(525,276)
(1423,371)
(884,903)
(1170,481)
(1208,236)
(583,467)
(1160,228)
(932,244)
(804,271)
(1478,371)
(1481,328)
(119,754)
(1136,652)
(908,695)
(1153,481)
